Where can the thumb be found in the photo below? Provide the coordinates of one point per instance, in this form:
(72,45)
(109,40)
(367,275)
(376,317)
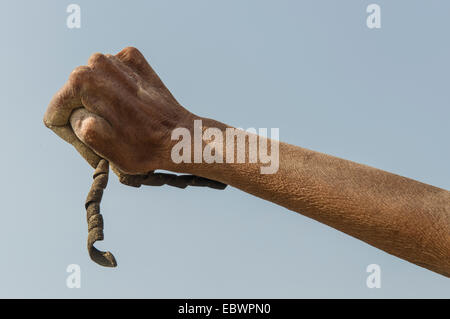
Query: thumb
(94,131)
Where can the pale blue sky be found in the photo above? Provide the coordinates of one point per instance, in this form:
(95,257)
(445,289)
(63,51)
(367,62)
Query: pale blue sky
(311,68)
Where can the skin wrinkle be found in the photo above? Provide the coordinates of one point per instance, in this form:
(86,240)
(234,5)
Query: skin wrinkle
(80,114)
(388,211)
(403,217)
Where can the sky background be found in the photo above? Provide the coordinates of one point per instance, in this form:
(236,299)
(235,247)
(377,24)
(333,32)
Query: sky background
(310,68)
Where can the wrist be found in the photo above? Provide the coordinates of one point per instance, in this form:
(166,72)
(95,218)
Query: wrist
(186,144)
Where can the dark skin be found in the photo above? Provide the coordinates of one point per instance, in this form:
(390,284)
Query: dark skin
(117,108)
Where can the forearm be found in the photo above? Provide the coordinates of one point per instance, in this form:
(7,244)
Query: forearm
(128,117)
(401,216)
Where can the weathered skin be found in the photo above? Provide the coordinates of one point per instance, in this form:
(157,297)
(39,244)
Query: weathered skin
(128,116)
(68,116)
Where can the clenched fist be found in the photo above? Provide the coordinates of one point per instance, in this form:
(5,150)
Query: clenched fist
(117,108)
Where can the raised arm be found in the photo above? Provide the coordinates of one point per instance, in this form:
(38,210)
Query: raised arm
(117,108)
(401,216)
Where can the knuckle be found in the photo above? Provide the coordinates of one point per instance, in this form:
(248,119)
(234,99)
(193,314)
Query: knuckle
(80,75)
(97,59)
(130,53)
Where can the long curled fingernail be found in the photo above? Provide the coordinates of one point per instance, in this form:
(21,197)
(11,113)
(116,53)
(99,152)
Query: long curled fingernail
(95,219)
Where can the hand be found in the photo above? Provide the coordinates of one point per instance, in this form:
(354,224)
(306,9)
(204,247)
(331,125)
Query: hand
(117,108)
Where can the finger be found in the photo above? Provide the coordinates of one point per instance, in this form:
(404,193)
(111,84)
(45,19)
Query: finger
(129,72)
(67,98)
(141,85)
(99,100)
(134,59)
(94,131)
(105,64)
(109,101)
(111,88)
